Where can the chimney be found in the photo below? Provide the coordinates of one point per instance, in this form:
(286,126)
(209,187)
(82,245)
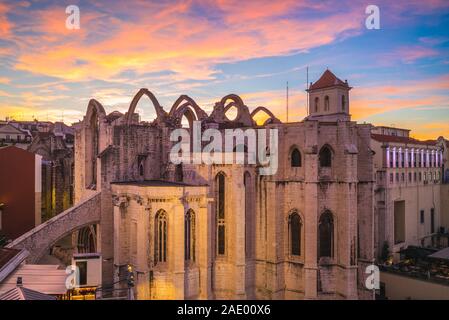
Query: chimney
(19,282)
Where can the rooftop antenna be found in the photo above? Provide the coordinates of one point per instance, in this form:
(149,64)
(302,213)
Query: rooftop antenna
(287,101)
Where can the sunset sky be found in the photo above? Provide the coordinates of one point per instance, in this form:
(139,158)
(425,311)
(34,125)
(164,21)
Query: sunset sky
(207,49)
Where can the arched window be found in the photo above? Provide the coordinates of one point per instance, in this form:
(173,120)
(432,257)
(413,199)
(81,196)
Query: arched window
(87,239)
(92,150)
(317,102)
(221,225)
(160,237)
(250,219)
(326,103)
(326,235)
(141,170)
(295,226)
(295,158)
(179,175)
(189,236)
(325,157)
(343,103)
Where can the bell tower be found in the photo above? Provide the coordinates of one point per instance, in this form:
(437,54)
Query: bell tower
(329,98)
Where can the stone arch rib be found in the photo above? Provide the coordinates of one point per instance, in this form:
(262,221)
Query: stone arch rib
(178,109)
(272,118)
(221,107)
(132,107)
(38,241)
(95,107)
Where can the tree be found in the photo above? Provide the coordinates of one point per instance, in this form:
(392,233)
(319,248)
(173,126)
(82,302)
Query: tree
(385,251)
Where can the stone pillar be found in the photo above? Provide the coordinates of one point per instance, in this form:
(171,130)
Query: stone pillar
(106,243)
(117,236)
(311,240)
(204,249)
(311,215)
(347,239)
(176,247)
(239,234)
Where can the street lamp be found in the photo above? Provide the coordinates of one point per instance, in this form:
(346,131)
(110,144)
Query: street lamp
(130,279)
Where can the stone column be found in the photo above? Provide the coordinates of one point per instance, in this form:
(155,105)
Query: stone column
(311,240)
(203,250)
(311,218)
(119,204)
(106,242)
(176,247)
(346,229)
(236,184)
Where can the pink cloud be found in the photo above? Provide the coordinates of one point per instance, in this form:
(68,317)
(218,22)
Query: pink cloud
(160,38)
(407,54)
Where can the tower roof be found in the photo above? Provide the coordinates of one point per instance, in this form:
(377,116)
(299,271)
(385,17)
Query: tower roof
(328,79)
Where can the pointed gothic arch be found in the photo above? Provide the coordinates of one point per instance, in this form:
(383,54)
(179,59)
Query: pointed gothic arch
(325,156)
(185,104)
(271,117)
(92,127)
(160,113)
(234,101)
(326,231)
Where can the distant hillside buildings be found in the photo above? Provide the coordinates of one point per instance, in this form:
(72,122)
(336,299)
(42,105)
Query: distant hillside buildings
(51,146)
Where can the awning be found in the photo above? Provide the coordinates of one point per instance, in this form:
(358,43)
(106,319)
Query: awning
(441,255)
(416,252)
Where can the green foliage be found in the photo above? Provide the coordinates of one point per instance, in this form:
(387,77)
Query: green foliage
(385,251)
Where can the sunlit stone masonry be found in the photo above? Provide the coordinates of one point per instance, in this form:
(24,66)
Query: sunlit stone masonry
(224,231)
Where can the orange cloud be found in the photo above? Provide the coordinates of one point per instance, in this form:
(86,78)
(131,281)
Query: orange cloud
(5,24)
(170,38)
(4,80)
(372,100)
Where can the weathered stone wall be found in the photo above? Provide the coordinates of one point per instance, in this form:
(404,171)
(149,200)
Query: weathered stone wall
(256,221)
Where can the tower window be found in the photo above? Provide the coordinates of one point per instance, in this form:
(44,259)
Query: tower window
(317,101)
(343,103)
(221,226)
(326,103)
(141,170)
(326,234)
(432,220)
(160,237)
(189,236)
(295,226)
(295,158)
(325,157)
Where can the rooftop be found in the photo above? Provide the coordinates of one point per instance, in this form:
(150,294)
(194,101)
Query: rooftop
(328,79)
(397,139)
(48,279)
(21,293)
